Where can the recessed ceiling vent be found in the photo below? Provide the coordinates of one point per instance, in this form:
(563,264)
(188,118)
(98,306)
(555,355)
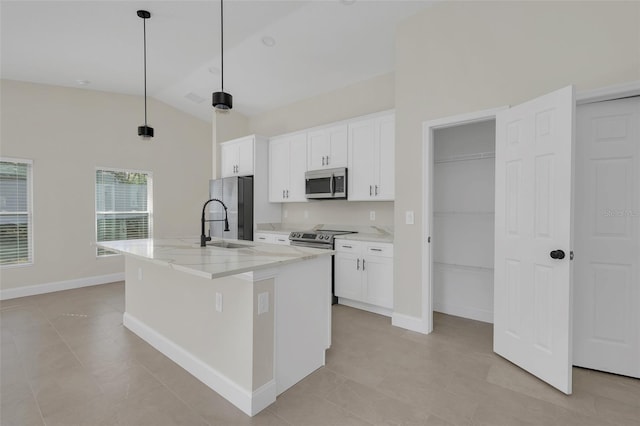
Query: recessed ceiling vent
(195,98)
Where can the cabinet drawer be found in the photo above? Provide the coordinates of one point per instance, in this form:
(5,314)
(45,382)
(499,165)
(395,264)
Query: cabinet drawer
(379,249)
(348,246)
(281,239)
(263,238)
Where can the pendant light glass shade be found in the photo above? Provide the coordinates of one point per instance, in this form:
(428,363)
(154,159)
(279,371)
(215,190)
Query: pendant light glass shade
(145,131)
(222,101)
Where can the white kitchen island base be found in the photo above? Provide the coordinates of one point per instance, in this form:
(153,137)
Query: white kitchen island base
(248,336)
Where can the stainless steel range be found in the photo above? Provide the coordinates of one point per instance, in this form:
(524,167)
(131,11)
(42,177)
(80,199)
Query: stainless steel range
(322,239)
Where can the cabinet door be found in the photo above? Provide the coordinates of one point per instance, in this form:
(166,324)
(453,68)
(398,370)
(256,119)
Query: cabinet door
(385,163)
(362,143)
(337,139)
(245,157)
(378,278)
(297,167)
(228,159)
(318,149)
(348,276)
(278,169)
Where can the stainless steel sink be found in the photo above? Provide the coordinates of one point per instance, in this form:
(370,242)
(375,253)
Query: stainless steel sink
(227,244)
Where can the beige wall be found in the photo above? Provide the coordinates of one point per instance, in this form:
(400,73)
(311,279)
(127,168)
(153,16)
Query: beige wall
(460,57)
(68,133)
(376,94)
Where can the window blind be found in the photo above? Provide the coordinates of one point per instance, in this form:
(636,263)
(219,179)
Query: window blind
(123,206)
(15,212)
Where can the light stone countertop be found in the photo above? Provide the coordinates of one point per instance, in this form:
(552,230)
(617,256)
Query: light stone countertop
(186,255)
(380,234)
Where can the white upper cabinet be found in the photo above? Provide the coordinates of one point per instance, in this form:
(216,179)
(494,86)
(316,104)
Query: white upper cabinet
(371,151)
(327,147)
(236,157)
(287,166)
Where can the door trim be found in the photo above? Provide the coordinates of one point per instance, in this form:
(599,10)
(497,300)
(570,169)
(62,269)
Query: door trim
(426,255)
(631,88)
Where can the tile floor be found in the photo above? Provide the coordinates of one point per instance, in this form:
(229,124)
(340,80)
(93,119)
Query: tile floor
(67,360)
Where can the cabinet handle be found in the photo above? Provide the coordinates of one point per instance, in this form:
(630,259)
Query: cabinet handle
(370,191)
(287,193)
(347,247)
(323,160)
(283,193)
(376,192)
(327,160)
(358,265)
(363,264)
(376,249)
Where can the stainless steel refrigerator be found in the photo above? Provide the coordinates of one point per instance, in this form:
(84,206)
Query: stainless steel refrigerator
(237,194)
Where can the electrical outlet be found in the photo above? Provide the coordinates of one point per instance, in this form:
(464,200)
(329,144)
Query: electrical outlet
(372,215)
(409,220)
(218,302)
(263,303)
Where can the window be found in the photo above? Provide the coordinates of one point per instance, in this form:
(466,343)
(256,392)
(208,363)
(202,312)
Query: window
(123,206)
(16,239)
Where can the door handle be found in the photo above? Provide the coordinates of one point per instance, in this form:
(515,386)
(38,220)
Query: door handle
(557,254)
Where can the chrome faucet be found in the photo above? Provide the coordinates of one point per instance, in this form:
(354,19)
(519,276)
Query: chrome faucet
(203,237)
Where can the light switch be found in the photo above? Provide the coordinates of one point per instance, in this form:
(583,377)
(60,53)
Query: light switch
(263,303)
(409,217)
(218,302)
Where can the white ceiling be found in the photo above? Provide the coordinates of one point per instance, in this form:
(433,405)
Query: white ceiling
(320,46)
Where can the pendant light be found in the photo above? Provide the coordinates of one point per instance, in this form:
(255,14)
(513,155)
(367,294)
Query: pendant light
(145,131)
(222,101)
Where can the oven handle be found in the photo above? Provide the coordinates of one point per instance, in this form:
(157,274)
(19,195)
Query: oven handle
(311,245)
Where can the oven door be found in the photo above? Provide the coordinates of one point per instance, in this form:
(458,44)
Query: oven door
(310,244)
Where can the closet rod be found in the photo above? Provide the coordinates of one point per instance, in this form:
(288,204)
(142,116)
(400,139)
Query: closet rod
(469,157)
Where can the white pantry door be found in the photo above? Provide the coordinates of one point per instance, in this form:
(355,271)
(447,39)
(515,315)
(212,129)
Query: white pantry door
(607,265)
(532,284)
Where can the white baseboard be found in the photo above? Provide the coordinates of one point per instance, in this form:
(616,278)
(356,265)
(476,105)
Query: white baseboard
(250,403)
(365,306)
(464,312)
(410,323)
(31,290)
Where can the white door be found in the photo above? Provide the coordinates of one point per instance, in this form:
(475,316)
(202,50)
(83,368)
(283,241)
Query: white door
(532,290)
(278,169)
(318,149)
(245,157)
(385,163)
(298,167)
(229,155)
(362,147)
(348,276)
(378,275)
(607,245)
(337,156)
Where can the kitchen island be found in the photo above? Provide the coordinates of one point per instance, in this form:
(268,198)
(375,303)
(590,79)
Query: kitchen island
(249,320)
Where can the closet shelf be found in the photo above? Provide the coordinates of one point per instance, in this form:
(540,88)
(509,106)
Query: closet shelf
(454,213)
(467,157)
(464,267)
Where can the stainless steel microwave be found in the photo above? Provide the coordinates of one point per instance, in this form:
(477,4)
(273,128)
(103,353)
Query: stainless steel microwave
(326,184)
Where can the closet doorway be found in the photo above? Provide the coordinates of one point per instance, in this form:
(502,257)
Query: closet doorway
(459,223)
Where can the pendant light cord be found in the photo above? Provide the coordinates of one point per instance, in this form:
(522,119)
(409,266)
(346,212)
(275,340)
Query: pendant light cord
(221,46)
(144,37)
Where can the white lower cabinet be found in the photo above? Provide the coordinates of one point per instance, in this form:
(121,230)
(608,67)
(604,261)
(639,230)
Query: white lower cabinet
(265,237)
(364,275)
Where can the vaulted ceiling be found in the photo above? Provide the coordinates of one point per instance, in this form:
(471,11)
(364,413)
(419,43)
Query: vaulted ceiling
(97,45)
